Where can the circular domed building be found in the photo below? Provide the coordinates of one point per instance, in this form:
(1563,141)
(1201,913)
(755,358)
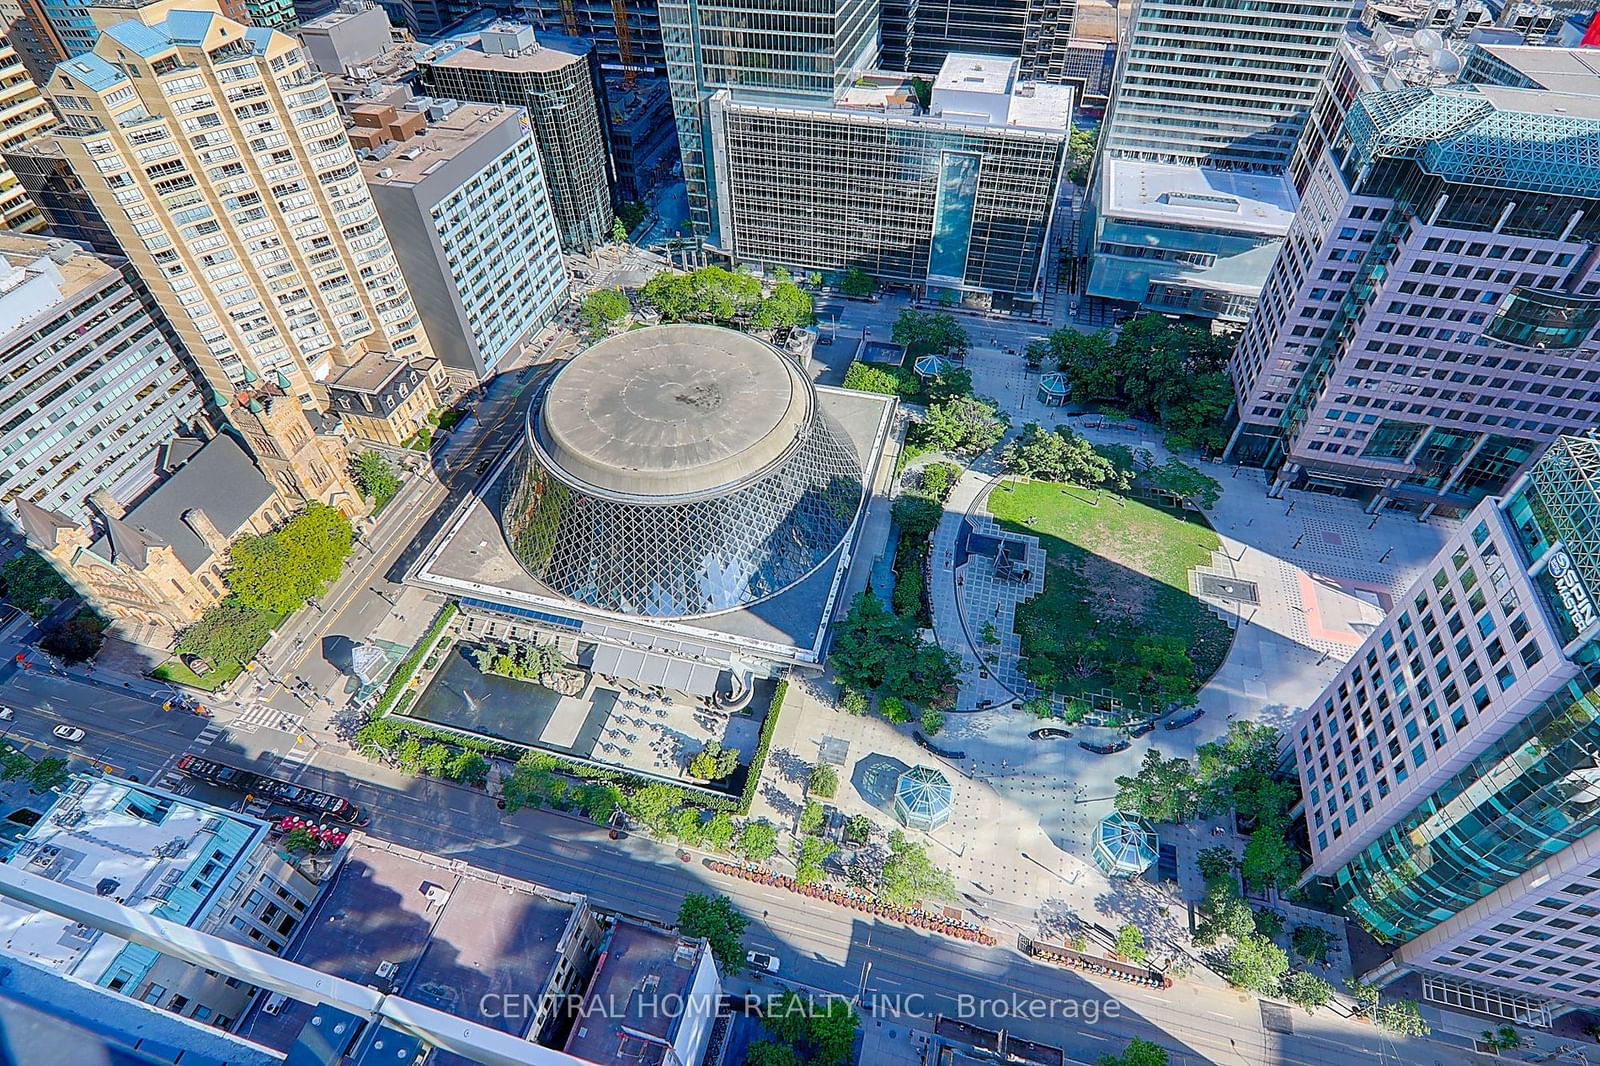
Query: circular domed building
(679,471)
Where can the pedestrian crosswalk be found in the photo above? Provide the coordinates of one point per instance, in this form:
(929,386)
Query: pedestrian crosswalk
(208,736)
(297,756)
(259,716)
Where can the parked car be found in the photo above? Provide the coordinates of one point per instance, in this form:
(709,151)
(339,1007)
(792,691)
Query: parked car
(69,733)
(760,960)
(7,714)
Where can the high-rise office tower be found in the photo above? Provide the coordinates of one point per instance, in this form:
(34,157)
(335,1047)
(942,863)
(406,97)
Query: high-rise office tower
(1213,83)
(917,35)
(1451,771)
(810,49)
(1189,198)
(958,197)
(225,172)
(25,116)
(91,387)
(1432,321)
(473,228)
(556,81)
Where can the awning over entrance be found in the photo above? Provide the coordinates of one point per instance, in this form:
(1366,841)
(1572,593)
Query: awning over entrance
(696,679)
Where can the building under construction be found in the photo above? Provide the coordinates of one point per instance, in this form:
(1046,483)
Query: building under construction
(626,34)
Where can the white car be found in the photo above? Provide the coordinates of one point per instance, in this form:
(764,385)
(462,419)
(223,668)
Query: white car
(69,733)
(7,714)
(760,960)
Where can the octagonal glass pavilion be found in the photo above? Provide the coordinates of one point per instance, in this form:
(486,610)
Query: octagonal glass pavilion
(923,798)
(1125,845)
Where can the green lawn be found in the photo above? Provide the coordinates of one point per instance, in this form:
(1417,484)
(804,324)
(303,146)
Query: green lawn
(1116,614)
(180,674)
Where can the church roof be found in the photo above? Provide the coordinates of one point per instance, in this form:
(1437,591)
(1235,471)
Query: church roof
(125,543)
(41,525)
(218,479)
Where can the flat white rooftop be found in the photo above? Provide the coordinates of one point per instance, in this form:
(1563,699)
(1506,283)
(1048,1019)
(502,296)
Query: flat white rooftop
(142,847)
(1197,196)
(964,72)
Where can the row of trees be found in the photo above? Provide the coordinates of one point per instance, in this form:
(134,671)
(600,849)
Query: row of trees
(877,651)
(384,741)
(1064,456)
(714,294)
(270,575)
(1239,772)
(1170,373)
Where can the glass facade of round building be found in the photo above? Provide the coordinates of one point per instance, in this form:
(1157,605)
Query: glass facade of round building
(679,471)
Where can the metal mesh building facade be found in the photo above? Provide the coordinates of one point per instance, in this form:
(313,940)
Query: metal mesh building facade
(679,471)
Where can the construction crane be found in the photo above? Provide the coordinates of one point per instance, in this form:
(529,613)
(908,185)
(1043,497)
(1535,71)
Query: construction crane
(619,14)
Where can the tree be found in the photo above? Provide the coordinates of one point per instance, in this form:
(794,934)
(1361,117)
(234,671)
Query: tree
(771,1053)
(758,841)
(1307,990)
(14,764)
(671,295)
(1238,772)
(1215,864)
(1505,1038)
(1164,790)
(909,877)
(720,923)
(1269,923)
(1058,455)
(922,672)
(831,1032)
(1139,1052)
(811,817)
(862,377)
(932,721)
(865,642)
(228,632)
(930,334)
(1366,994)
(1270,860)
(604,309)
(375,477)
(1255,964)
(653,803)
(77,640)
(720,831)
(619,231)
(951,384)
(47,773)
(1198,420)
(1185,482)
(277,572)
(714,762)
(823,782)
(917,516)
(1080,150)
(1086,360)
(1310,942)
(1223,915)
(787,305)
(937,480)
(1401,1017)
(32,584)
(858,283)
(814,851)
(965,425)
(687,826)
(469,767)
(1130,943)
